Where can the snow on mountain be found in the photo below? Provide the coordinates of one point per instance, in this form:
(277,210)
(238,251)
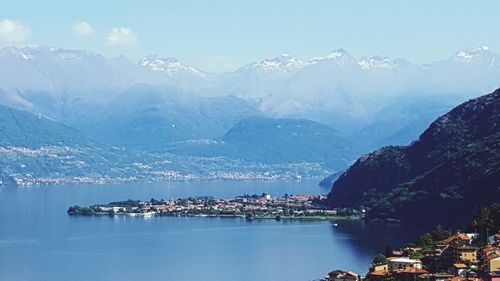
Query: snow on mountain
(284,63)
(469,71)
(377,63)
(171,66)
(473,53)
(339,57)
(336,88)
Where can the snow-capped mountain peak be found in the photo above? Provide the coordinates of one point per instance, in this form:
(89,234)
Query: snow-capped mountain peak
(377,63)
(170,66)
(472,53)
(339,56)
(283,63)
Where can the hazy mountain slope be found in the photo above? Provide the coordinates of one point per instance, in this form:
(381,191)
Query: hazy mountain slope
(19,128)
(453,167)
(286,140)
(150,117)
(268,140)
(402,121)
(35,147)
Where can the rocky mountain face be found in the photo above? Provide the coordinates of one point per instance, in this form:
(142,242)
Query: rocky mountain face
(452,170)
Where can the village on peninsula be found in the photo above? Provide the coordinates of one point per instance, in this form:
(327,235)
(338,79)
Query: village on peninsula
(263,206)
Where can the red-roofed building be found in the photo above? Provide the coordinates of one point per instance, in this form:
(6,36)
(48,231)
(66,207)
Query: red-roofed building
(409,273)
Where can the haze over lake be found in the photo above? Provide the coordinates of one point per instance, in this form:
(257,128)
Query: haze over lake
(39,241)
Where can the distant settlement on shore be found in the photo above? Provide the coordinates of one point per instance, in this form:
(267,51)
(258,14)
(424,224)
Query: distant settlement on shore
(262,206)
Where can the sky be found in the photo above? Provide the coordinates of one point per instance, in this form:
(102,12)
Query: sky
(222,35)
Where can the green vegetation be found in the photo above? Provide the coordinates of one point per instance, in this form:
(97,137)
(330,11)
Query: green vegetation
(379,259)
(487,221)
(452,169)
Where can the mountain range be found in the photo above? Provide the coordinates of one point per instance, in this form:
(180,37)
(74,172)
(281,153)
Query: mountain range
(283,111)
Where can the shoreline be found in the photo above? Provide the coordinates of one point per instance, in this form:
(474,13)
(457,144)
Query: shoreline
(300,218)
(250,207)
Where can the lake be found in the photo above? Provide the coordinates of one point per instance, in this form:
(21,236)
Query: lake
(39,241)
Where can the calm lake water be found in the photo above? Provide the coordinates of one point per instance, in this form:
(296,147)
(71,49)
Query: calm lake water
(39,241)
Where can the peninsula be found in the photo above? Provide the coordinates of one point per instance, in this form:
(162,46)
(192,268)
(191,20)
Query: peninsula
(263,206)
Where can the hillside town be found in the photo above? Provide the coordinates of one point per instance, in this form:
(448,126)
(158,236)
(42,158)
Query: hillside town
(263,206)
(459,257)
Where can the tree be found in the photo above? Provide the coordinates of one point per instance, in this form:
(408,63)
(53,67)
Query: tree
(388,251)
(416,255)
(379,259)
(440,234)
(426,240)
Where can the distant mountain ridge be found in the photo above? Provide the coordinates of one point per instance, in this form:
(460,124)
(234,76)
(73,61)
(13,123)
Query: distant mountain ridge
(162,104)
(452,169)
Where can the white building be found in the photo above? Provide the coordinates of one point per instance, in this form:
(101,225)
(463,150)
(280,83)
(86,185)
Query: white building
(396,263)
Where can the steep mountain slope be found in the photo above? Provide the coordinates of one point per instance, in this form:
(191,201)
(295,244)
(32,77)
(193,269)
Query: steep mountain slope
(452,169)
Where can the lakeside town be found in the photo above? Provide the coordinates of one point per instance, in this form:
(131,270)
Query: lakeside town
(263,206)
(440,256)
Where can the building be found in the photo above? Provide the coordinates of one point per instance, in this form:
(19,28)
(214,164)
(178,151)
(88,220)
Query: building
(458,269)
(493,263)
(396,263)
(409,273)
(464,254)
(458,239)
(379,267)
(340,275)
(379,275)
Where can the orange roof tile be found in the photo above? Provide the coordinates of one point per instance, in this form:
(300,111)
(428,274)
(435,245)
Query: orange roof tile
(380,273)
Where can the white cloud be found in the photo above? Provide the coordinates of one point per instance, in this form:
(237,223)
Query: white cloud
(13,32)
(121,36)
(83,28)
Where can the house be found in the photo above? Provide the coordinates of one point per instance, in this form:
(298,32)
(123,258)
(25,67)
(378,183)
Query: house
(396,263)
(379,267)
(409,273)
(458,239)
(464,253)
(473,236)
(493,262)
(340,275)
(458,269)
(379,275)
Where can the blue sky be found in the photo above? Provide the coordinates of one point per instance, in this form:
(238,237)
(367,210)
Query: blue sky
(220,35)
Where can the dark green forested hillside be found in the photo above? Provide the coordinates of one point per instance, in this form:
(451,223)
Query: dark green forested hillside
(444,177)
